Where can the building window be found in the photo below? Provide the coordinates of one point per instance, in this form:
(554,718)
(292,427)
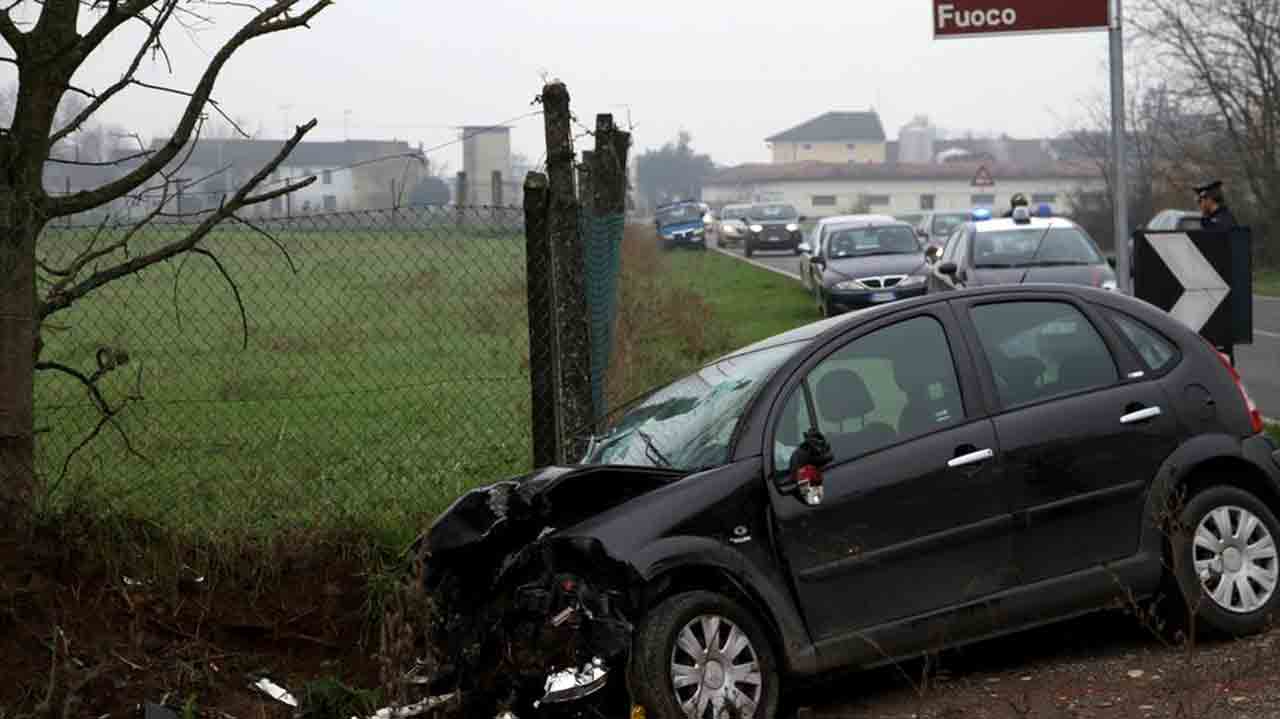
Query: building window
(983,200)
(824,200)
(806,146)
(327,177)
(330,202)
(876,200)
(927,202)
(851,147)
(1044,198)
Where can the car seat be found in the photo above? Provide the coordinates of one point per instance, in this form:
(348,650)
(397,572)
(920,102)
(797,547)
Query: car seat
(842,396)
(923,413)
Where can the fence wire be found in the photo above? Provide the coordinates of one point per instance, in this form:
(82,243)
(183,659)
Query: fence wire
(356,369)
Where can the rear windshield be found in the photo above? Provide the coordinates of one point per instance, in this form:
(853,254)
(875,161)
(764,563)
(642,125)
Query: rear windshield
(1034,246)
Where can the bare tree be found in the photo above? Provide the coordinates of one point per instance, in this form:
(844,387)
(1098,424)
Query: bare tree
(1223,63)
(48,53)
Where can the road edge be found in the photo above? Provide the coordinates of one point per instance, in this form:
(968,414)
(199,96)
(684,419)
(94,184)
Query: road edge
(753,263)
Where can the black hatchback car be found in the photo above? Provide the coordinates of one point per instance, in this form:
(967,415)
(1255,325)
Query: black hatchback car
(896,480)
(772,226)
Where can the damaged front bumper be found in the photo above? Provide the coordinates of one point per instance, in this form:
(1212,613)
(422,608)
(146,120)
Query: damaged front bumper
(526,619)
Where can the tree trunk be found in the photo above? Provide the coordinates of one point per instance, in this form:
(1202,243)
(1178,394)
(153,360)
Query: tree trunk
(19,227)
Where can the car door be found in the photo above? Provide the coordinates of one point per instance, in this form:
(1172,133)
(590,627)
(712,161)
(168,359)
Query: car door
(1083,429)
(914,517)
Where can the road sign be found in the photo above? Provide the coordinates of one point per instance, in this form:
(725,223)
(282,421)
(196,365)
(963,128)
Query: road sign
(983,178)
(959,18)
(1202,279)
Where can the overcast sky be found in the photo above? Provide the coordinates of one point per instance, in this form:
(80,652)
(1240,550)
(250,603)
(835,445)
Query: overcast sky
(731,73)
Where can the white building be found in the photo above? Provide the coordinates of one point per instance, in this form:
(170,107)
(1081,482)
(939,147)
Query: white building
(820,189)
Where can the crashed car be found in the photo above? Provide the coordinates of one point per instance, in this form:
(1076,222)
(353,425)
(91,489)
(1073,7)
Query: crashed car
(900,479)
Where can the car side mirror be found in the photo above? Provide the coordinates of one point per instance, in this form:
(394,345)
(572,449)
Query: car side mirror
(931,253)
(804,475)
(948,268)
(801,218)
(804,247)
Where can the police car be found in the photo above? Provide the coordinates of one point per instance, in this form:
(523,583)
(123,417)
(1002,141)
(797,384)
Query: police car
(1018,250)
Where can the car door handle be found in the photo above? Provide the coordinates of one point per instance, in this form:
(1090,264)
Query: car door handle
(1141,415)
(971,458)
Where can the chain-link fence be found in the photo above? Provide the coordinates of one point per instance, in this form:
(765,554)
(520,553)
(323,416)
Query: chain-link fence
(345,369)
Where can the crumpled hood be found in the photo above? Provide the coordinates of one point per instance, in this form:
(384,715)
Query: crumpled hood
(519,509)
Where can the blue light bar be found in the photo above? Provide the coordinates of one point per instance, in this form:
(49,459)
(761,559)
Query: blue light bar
(980,213)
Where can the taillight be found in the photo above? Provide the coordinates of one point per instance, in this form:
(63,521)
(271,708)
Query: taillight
(1255,415)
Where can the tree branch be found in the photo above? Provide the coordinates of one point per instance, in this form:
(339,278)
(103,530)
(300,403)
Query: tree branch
(12,35)
(153,38)
(64,298)
(235,290)
(271,20)
(105,163)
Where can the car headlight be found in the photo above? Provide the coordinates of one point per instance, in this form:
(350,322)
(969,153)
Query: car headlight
(1110,285)
(731,229)
(793,227)
(849,285)
(757,228)
(912,281)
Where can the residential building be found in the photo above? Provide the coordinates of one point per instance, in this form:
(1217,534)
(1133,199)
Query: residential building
(840,137)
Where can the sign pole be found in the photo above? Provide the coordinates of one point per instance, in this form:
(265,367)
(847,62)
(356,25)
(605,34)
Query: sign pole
(1119,175)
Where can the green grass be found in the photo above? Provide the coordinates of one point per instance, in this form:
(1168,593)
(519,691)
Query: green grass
(1267,282)
(382,379)
(1274,431)
(379,381)
(752,303)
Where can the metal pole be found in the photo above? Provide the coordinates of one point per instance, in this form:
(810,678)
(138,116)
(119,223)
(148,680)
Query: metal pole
(1120,182)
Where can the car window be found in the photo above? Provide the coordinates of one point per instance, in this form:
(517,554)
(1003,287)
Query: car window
(889,386)
(943,224)
(1033,245)
(949,252)
(1157,352)
(867,241)
(1041,349)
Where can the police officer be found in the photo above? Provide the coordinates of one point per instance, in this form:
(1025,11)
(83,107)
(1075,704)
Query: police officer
(1214,213)
(1019,200)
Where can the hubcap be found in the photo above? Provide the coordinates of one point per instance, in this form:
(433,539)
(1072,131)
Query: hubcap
(715,671)
(1235,559)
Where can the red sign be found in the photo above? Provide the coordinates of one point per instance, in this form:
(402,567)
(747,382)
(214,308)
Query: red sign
(983,178)
(958,18)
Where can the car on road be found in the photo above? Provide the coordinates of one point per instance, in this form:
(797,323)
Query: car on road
(862,260)
(858,491)
(731,226)
(936,227)
(773,226)
(1017,250)
(682,224)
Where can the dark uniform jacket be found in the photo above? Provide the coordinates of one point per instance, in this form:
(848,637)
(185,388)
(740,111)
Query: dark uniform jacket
(1221,219)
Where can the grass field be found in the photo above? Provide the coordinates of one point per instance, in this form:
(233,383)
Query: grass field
(383,378)
(1267,282)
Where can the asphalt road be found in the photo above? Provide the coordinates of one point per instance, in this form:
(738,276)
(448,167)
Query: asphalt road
(1259,363)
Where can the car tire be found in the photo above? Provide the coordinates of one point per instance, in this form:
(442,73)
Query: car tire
(660,646)
(1223,542)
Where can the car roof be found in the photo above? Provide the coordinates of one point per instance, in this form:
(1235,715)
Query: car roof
(861,220)
(1007,223)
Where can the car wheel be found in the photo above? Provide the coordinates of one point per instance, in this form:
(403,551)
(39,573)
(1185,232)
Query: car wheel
(700,655)
(1225,560)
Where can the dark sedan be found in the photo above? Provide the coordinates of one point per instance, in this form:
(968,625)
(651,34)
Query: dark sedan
(866,261)
(858,491)
(1018,251)
(772,227)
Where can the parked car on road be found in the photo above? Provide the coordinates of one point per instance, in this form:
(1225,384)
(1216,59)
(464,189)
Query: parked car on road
(731,227)
(863,260)
(681,224)
(936,227)
(773,226)
(855,492)
(1019,250)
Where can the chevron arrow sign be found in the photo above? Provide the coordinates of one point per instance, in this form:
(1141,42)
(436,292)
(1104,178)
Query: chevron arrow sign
(1203,289)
